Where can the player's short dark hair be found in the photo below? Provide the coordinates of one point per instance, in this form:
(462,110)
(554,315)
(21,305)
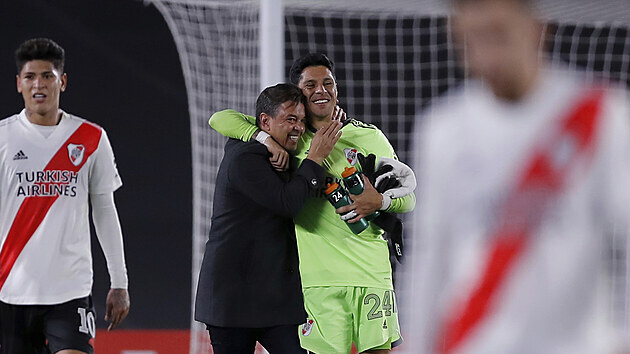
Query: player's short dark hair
(274,96)
(40,49)
(305,61)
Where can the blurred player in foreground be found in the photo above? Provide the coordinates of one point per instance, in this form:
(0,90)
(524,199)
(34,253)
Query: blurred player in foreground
(346,278)
(524,177)
(249,285)
(52,164)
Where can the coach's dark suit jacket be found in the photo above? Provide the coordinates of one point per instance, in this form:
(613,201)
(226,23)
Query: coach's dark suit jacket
(249,275)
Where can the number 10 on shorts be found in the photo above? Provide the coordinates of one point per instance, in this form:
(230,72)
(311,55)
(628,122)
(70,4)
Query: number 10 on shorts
(88,324)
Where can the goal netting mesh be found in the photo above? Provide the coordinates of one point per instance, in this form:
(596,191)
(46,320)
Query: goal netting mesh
(392,57)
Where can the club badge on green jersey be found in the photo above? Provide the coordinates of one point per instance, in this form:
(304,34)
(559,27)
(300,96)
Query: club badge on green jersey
(351,155)
(307,327)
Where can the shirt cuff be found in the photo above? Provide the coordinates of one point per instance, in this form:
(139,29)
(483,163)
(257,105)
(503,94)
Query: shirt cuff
(313,172)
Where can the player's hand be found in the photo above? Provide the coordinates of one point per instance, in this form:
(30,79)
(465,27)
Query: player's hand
(117,307)
(339,114)
(324,141)
(363,204)
(279,156)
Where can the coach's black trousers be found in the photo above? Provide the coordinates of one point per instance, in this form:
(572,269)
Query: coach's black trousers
(276,340)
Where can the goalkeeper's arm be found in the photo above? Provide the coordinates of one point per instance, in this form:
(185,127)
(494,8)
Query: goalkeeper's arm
(393,179)
(402,205)
(233,124)
(400,199)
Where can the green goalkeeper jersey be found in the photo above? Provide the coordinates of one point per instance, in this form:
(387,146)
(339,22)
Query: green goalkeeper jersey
(330,254)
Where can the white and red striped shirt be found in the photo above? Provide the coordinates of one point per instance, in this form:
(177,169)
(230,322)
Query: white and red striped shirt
(552,290)
(46,180)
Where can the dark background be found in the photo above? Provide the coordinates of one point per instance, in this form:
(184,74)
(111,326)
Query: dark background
(124,74)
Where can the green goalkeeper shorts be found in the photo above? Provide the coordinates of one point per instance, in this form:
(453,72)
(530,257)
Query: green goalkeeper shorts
(340,316)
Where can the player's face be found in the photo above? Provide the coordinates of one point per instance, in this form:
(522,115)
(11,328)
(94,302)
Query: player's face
(500,40)
(320,88)
(40,85)
(287,125)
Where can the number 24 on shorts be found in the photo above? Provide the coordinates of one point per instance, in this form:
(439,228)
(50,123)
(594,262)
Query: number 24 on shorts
(388,305)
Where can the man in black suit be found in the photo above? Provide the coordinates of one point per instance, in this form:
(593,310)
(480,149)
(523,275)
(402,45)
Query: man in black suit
(249,286)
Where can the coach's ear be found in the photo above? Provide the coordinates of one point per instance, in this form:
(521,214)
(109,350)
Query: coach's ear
(265,122)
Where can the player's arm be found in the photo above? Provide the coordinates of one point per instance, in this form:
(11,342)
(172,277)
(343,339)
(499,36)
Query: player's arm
(103,180)
(236,125)
(396,182)
(371,200)
(405,204)
(109,234)
(403,199)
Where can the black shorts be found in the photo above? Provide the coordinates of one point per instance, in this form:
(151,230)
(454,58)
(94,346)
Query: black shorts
(47,328)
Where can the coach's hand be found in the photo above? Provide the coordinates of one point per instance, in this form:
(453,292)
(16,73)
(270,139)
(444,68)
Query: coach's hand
(363,204)
(324,141)
(279,156)
(117,307)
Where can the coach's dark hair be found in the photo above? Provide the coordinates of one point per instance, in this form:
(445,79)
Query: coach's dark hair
(274,96)
(310,59)
(40,49)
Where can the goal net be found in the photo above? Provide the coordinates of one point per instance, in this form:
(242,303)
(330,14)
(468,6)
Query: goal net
(392,57)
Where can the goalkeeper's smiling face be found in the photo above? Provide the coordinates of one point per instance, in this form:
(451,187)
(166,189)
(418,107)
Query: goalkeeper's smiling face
(320,88)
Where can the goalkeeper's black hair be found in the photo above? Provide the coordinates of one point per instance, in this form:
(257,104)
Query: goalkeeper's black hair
(274,96)
(40,49)
(305,61)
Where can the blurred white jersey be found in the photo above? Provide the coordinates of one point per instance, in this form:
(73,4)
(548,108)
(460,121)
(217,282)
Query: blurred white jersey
(555,292)
(45,254)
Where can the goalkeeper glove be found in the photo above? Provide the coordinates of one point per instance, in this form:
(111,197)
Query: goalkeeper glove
(380,184)
(392,178)
(402,173)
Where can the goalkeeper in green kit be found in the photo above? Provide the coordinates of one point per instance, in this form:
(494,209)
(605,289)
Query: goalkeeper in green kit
(346,277)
